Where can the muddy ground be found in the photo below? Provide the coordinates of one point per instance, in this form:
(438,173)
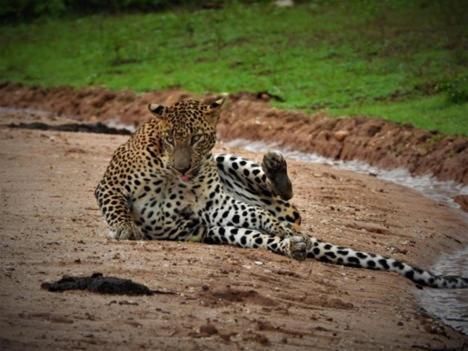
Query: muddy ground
(380,143)
(220,297)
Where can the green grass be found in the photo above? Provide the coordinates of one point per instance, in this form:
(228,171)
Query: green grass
(391,59)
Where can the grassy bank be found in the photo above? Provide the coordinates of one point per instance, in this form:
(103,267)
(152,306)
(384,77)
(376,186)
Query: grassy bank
(403,61)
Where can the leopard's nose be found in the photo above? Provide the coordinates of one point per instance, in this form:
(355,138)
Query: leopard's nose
(182,159)
(183,169)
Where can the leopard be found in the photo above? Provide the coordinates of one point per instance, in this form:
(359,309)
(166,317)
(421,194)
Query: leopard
(165,183)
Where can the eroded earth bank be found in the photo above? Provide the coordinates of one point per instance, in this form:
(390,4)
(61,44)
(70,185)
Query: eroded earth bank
(219,296)
(246,115)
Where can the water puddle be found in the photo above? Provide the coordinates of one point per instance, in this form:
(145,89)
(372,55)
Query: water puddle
(450,306)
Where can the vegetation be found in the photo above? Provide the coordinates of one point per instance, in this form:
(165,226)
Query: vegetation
(14,10)
(401,60)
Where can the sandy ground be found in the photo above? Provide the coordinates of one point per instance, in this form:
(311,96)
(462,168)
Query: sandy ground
(224,297)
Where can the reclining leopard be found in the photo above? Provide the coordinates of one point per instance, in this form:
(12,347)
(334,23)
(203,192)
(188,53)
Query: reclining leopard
(164,183)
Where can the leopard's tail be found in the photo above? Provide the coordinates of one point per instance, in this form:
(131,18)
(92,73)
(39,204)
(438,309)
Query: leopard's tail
(345,256)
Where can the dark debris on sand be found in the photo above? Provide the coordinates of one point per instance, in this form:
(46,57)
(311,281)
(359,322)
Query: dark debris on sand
(99,284)
(98,127)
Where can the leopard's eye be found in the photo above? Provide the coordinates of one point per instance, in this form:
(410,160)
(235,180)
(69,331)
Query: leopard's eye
(170,139)
(196,138)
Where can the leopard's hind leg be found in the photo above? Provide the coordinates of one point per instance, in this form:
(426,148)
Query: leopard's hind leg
(276,170)
(266,185)
(268,179)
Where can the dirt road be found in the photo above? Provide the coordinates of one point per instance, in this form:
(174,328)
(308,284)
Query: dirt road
(224,297)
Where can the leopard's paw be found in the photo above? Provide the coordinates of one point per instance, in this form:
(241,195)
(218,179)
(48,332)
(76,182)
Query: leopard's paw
(298,246)
(127,231)
(275,167)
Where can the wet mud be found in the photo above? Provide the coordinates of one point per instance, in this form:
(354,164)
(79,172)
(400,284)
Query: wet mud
(98,127)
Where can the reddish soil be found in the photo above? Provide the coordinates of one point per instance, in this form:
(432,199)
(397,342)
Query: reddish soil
(462,200)
(224,297)
(377,142)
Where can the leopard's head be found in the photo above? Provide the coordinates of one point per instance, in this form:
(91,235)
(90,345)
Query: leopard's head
(188,133)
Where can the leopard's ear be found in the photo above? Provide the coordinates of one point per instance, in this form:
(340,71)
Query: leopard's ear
(157,110)
(214,109)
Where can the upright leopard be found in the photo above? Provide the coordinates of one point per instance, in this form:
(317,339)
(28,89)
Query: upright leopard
(165,183)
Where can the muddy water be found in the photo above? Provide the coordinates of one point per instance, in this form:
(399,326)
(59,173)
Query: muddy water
(450,306)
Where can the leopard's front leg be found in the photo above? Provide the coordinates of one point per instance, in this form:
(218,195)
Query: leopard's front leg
(115,208)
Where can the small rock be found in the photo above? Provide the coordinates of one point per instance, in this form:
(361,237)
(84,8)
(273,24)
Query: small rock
(341,135)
